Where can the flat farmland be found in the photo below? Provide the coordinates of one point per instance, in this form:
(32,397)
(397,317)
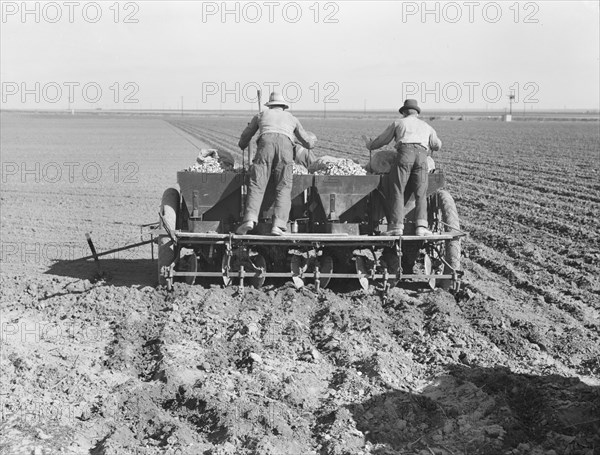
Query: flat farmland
(114,365)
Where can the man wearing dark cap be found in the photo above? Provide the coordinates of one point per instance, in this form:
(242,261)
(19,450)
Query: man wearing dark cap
(278,131)
(413,139)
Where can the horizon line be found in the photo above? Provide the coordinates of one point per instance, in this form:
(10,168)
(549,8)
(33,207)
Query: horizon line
(376,110)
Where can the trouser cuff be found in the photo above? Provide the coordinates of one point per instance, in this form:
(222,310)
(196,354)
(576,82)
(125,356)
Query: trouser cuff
(422,223)
(281,224)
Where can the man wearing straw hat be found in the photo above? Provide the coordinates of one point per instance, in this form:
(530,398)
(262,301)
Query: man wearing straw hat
(413,139)
(278,131)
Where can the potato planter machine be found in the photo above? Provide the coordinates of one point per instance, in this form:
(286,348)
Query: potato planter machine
(335,231)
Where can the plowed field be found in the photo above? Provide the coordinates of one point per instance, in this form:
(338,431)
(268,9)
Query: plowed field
(113,365)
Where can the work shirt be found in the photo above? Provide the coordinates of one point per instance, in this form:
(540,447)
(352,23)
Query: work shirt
(408,130)
(276,120)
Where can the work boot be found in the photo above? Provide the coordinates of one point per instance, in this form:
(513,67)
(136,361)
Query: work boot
(423,231)
(397,229)
(277,231)
(245,227)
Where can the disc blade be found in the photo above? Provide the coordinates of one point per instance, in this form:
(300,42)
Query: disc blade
(224,269)
(391,261)
(190,264)
(260,265)
(325,267)
(429,270)
(298,267)
(361,269)
(298,282)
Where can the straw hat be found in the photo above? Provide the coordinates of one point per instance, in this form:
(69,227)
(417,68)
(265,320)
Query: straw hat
(276,99)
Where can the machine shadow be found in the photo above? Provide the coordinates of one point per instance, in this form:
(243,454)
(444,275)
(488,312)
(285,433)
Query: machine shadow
(480,410)
(117,272)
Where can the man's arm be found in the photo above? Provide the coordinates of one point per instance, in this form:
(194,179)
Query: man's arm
(248,132)
(434,142)
(384,138)
(304,139)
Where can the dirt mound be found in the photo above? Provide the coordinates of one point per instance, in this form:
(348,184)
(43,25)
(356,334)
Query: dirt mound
(101,369)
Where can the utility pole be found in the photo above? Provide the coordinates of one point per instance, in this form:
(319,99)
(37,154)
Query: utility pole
(182,106)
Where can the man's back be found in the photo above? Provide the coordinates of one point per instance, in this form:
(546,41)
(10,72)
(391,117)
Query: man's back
(407,130)
(278,121)
(413,130)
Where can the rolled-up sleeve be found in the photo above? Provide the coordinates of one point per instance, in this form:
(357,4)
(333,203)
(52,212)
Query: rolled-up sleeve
(384,138)
(303,137)
(434,142)
(248,132)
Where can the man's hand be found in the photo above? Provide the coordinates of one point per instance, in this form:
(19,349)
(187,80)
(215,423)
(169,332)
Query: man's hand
(368,142)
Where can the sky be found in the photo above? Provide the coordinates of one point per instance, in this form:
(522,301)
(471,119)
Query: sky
(342,55)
